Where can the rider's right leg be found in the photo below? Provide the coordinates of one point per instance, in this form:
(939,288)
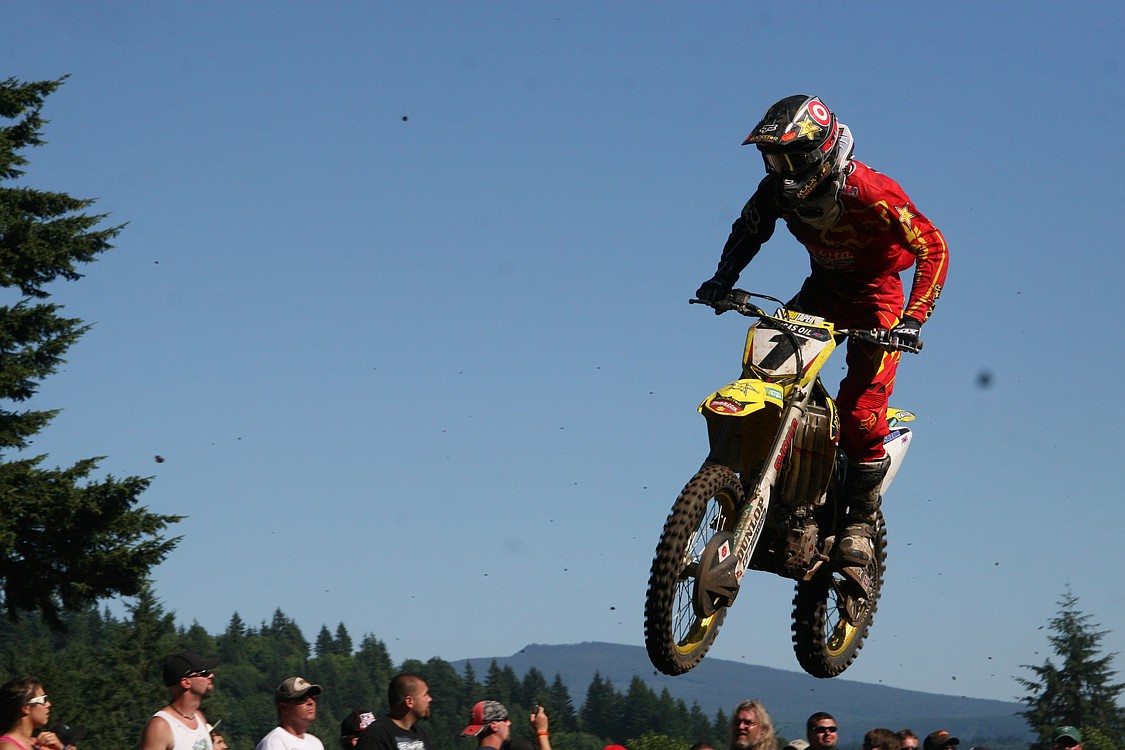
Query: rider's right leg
(862,487)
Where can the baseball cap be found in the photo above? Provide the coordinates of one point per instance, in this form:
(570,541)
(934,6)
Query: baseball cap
(356,722)
(483,713)
(179,666)
(938,739)
(294,688)
(1067,732)
(796,745)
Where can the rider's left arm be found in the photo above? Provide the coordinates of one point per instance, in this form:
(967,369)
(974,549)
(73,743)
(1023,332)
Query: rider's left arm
(931,263)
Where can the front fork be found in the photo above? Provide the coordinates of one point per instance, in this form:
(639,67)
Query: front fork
(751,520)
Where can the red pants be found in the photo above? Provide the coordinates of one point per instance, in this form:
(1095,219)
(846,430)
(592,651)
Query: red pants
(870,380)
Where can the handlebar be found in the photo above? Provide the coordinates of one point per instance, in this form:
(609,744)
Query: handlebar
(739,301)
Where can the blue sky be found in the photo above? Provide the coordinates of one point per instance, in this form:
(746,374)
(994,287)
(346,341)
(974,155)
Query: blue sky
(402,303)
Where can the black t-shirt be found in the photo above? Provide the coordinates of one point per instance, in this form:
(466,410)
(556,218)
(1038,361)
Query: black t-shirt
(384,734)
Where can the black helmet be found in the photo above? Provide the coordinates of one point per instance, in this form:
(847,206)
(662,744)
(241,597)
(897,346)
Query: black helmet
(799,138)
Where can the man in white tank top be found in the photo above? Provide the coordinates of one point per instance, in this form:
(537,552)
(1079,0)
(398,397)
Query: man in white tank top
(296,709)
(181,725)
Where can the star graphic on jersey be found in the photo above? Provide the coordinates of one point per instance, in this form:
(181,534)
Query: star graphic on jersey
(808,128)
(904,215)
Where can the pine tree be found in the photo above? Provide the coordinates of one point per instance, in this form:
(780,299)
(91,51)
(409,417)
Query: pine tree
(324,643)
(342,646)
(640,710)
(1078,691)
(66,540)
(601,711)
(533,688)
(374,661)
(560,707)
(501,684)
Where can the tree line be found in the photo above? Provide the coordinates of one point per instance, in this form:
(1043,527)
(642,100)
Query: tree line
(103,673)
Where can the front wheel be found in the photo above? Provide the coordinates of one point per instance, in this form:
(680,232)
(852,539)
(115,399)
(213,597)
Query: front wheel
(830,622)
(678,630)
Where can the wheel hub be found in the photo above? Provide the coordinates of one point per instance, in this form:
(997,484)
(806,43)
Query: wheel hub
(716,584)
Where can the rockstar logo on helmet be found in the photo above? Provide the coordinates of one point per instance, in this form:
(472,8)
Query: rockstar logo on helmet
(808,128)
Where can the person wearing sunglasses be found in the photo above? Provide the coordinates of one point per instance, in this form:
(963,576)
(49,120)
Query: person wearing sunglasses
(489,723)
(908,739)
(24,708)
(822,732)
(180,725)
(295,699)
(751,727)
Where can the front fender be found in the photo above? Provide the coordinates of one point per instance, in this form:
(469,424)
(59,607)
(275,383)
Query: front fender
(742,397)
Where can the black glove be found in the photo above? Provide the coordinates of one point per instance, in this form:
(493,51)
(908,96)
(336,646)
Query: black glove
(905,335)
(713,290)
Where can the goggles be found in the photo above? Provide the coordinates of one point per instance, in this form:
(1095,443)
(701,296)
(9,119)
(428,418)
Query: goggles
(792,163)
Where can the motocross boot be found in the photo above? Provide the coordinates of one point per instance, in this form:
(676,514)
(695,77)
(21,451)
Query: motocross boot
(861,488)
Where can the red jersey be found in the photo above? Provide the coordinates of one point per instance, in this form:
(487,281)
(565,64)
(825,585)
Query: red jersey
(878,233)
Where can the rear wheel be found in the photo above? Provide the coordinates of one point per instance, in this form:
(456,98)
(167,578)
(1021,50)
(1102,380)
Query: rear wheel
(830,621)
(678,630)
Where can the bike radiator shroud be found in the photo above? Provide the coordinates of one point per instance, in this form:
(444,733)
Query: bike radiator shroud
(743,442)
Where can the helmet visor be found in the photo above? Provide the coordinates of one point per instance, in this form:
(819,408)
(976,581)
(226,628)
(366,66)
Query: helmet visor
(792,163)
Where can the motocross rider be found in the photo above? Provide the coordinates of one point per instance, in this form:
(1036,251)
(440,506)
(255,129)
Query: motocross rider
(860,230)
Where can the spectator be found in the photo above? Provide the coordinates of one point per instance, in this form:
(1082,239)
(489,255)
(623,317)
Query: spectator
(821,731)
(489,723)
(218,741)
(295,699)
(409,700)
(751,727)
(25,707)
(908,739)
(1067,737)
(939,739)
(881,739)
(180,725)
(353,726)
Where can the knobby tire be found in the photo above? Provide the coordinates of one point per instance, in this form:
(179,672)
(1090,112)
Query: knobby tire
(824,641)
(677,638)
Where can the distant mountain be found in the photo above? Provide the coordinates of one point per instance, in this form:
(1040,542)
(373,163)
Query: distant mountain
(789,696)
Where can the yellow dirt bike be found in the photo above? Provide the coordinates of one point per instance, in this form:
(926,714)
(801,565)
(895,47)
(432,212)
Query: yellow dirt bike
(770,497)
